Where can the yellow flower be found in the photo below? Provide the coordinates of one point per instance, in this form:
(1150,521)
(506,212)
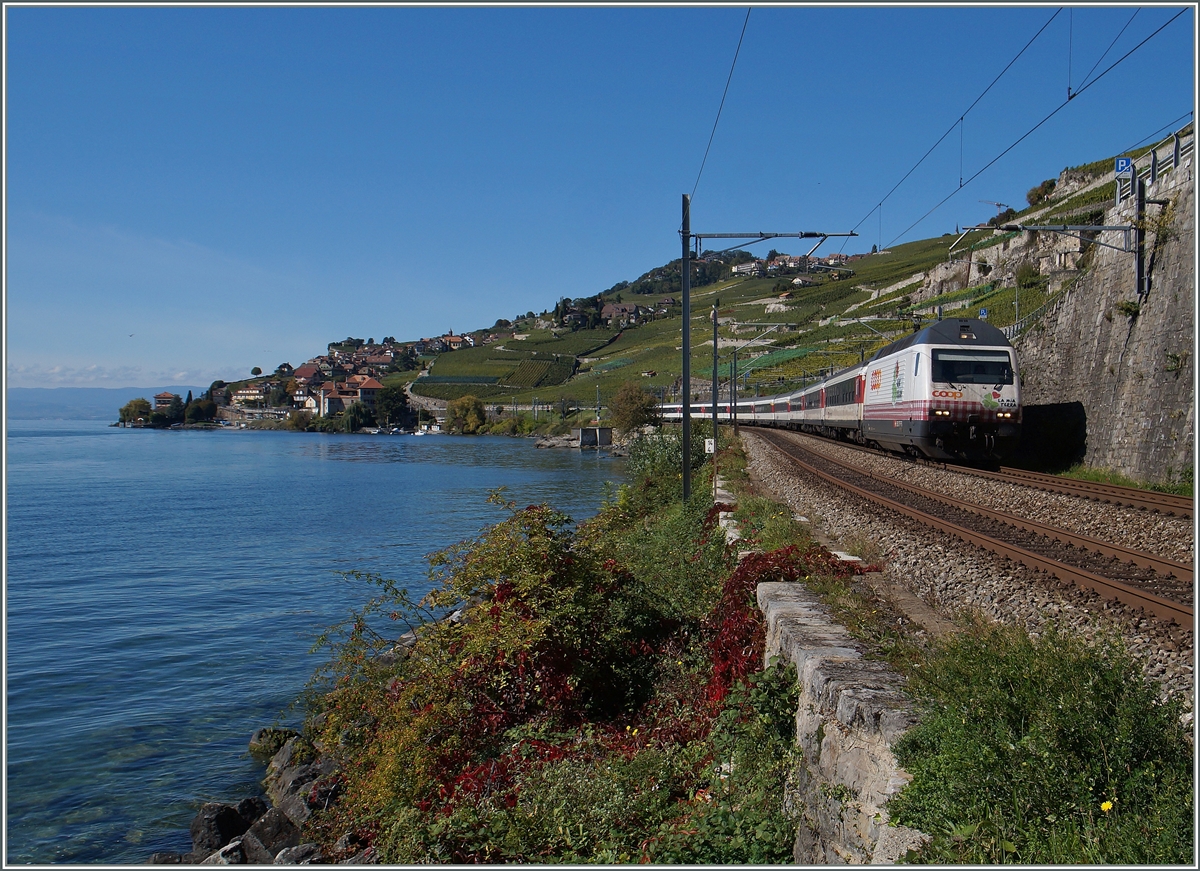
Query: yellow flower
(1106,806)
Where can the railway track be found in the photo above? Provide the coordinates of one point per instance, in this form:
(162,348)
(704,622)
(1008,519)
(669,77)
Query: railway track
(1141,580)
(1111,494)
(1132,497)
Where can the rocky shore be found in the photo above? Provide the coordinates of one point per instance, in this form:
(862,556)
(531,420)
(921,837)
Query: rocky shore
(267,830)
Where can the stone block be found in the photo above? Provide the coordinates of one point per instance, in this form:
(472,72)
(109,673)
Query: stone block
(851,712)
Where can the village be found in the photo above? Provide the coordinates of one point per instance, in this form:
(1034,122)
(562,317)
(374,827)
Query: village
(352,372)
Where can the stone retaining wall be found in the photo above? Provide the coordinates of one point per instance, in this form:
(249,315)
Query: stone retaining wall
(1121,360)
(851,713)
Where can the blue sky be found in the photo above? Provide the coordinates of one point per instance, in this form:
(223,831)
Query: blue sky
(193,191)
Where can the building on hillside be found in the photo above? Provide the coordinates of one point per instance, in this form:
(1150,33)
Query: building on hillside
(429,346)
(366,387)
(624,312)
(163,400)
(250,394)
(753,267)
(309,373)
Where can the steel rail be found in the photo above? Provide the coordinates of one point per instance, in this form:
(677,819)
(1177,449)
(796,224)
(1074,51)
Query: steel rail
(1113,494)
(1166,567)
(1164,609)
(1166,503)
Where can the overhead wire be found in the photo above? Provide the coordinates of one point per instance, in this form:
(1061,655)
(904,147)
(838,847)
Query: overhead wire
(1111,44)
(732,66)
(1169,126)
(957,123)
(1070,47)
(1028,133)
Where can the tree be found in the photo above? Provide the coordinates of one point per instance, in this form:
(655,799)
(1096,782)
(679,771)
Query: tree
(567,405)
(298,420)
(391,405)
(279,397)
(632,407)
(256,371)
(175,410)
(135,409)
(200,410)
(466,414)
(356,416)
(874,249)
(188,401)
(1039,193)
(1004,217)
(1027,275)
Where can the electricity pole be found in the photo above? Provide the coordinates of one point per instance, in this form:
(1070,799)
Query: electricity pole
(686,283)
(716,447)
(685,233)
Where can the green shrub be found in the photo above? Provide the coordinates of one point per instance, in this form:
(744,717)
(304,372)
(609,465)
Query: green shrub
(1045,751)
(740,817)
(767,524)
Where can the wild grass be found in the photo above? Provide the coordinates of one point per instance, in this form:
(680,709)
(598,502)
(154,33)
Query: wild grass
(1053,750)
(1180,481)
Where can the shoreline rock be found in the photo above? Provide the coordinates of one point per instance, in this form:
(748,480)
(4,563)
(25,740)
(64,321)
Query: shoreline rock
(267,830)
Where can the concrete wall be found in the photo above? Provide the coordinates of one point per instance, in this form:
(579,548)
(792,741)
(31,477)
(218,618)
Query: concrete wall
(851,712)
(1131,376)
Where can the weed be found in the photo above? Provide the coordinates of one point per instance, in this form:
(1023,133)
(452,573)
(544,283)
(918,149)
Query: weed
(1044,751)
(1128,307)
(1179,483)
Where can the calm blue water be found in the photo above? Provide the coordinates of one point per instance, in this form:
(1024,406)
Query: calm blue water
(164,589)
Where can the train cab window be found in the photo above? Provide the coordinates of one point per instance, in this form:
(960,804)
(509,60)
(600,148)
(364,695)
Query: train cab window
(916,364)
(971,367)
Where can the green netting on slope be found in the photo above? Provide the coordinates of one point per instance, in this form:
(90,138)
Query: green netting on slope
(774,358)
(612,364)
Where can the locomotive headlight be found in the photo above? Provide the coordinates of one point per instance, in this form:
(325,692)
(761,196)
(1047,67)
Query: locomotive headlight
(941,412)
(1004,414)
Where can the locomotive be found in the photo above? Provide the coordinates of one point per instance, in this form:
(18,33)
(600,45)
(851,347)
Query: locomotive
(949,391)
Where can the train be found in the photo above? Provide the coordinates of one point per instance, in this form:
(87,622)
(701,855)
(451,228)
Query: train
(948,391)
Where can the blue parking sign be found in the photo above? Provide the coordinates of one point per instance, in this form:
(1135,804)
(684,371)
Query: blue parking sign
(983,314)
(1124,167)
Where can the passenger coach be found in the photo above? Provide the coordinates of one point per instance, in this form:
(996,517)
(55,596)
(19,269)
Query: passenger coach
(948,391)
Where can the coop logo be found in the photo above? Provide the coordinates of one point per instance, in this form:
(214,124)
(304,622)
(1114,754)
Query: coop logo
(948,394)
(876,379)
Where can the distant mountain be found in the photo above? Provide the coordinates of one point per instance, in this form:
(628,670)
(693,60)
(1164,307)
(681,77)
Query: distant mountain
(79,403)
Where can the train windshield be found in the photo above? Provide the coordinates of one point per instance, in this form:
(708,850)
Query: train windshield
(971,367)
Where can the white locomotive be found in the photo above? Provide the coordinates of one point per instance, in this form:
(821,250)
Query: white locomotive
(947,391)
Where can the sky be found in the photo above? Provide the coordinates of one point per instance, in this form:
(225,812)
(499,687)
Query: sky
(194,191)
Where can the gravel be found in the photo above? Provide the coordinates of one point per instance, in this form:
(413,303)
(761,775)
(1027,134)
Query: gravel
(1163,535)
(955,578)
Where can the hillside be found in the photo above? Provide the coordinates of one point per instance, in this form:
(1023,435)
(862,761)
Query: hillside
(830,321)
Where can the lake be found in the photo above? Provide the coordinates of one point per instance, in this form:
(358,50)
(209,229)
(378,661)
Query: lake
(164,589)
